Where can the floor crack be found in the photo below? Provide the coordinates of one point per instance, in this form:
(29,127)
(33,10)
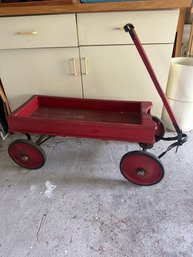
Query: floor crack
(40,225)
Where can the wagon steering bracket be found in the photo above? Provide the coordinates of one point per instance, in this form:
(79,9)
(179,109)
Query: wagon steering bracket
(180,139)
(40,140)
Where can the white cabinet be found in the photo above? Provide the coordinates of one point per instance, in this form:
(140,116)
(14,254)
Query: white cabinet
(85,55)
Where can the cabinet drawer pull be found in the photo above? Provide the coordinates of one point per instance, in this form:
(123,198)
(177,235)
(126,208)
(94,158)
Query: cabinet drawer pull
(26,33)
(74,71)
(85,59)
(119,28)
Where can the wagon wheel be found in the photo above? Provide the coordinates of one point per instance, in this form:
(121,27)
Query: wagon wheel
(141,168)
(27,154)
(161,129)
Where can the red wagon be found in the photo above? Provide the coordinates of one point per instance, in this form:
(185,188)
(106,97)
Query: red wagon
(100,119)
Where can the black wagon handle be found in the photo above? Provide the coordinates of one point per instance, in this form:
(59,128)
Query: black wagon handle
(131,29)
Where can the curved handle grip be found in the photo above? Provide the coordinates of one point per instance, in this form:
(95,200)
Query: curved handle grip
(130,28)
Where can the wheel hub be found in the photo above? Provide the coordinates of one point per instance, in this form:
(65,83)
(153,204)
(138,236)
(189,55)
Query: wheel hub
(25,158)
(141,172)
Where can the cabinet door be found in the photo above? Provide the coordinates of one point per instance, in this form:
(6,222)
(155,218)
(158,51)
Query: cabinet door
(117,72)
(27,72)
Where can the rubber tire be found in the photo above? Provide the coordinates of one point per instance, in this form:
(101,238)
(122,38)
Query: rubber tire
(133,161)
(25,148)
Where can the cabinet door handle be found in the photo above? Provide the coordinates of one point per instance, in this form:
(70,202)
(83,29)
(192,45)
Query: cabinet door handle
(85,59)
(74,71)
(26,33)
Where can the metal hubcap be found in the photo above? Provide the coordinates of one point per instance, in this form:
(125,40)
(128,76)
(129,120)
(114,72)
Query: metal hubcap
(141,172)
(25,158)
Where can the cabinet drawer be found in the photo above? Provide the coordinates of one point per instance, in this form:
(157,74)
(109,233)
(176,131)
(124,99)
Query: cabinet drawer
(107,28)
(38,31)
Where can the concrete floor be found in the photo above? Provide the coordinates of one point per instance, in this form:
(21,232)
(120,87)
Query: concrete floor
(79,204)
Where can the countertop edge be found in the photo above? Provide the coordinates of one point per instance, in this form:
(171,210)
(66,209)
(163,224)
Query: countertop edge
(46,8)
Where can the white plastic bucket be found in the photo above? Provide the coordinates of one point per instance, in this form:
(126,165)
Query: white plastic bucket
(180,93)
(180,80)
(184,115)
